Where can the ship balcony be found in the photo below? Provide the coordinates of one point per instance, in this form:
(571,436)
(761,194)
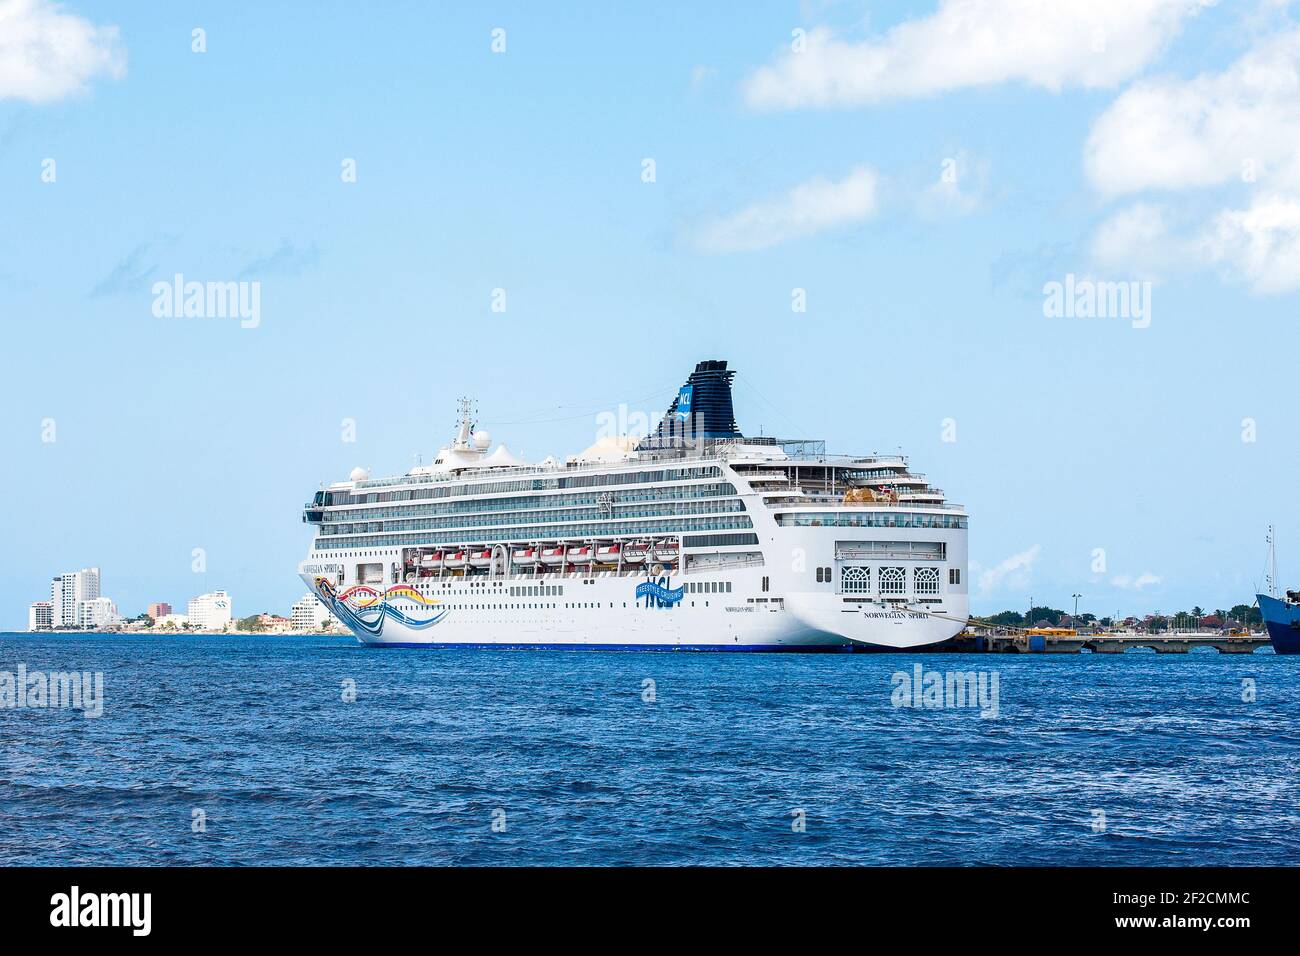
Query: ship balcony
(921,494)
(837,501)
(878,461)
(902,479)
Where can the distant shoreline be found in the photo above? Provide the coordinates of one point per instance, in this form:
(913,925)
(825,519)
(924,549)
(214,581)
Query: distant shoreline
(169,633)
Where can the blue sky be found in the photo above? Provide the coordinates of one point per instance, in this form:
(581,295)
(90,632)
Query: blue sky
(1145,141)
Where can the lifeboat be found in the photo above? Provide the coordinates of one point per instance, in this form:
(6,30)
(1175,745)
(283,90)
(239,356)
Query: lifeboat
(608,554)
(581,555)
(635,552)
(455,559)
(665,552)
(552,555)
(432,562)
(526,556)
(480,559)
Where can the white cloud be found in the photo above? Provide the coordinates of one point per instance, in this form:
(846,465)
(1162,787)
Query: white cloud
(806,210)
(46,54)
(1050,44)
(1241,125)
(1232,131)
(1013,572)
(1144,580)
(1260,243)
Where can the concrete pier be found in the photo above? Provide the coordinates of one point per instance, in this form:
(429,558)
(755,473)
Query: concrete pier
(1068,642)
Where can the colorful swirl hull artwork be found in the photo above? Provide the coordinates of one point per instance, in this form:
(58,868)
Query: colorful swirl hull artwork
(365,609)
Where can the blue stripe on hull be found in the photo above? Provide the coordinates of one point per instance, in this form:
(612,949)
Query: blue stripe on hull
(1283,622)
(755,648)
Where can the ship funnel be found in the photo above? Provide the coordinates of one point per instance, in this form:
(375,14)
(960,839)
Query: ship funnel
(701,410)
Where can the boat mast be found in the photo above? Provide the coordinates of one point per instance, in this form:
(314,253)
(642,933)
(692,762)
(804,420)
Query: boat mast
(465,409)
(1272,563)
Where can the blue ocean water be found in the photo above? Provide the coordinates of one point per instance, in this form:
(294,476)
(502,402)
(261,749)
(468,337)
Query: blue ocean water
(565,749)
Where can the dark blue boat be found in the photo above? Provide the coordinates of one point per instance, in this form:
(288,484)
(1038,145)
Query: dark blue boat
(1282,617)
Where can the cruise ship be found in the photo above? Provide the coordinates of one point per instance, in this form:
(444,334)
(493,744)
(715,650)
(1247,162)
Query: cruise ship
(694,537)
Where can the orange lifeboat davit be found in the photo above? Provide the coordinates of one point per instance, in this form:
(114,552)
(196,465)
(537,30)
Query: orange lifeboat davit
(635,553)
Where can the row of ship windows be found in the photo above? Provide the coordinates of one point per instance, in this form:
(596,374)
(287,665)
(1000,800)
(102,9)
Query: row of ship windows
(690,541)
(551,591)
(869,519)
(480,589)
(856,579)
(531,533)
(869,473)
(543,606)
(719,489)
(530,517)
(708,587)
(541,483)
(594,605)
(538,590)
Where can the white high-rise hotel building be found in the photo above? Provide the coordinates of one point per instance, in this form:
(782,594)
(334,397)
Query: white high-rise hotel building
(74,601)
(210,612)
(309,614)
(100,612)
(70,588)
(40,616)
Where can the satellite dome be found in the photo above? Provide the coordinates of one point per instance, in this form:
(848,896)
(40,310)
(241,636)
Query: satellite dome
(482,440)
(359,474)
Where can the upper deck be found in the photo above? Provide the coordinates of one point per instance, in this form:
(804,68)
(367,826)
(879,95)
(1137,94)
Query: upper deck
(783,479)
(694,473)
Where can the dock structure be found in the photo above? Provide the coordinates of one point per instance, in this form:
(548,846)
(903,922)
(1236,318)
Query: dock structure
(1066,641)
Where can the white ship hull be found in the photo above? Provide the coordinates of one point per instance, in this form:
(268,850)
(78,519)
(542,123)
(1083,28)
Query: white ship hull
(605,612)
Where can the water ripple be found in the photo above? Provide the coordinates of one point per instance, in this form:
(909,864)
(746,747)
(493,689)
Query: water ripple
(512,758)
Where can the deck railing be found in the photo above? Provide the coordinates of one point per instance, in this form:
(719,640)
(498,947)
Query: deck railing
(719,453)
